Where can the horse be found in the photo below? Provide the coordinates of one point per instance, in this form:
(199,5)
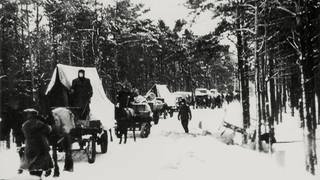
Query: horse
(125,120)
(62,121)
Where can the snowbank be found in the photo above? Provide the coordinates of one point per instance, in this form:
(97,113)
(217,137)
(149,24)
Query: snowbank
(169,153)
(289,152)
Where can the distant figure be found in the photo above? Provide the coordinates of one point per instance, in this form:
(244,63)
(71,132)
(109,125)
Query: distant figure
(36,158)
(237,96)
(229,97)
(219,101)
(184,115)
(81,93)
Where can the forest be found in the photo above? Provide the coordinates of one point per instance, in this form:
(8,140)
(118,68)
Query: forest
(277,48)
(36,35)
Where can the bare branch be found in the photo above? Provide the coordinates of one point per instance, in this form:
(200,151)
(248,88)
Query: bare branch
(274,35)
(3,76)
(286,10)
(294,42)
(246,29)
(248,5)
(261,47)
(251,13)
(315,37)
(272,77)
(294,46)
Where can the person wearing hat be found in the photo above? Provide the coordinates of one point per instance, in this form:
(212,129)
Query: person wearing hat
(184,115)
(36,158)
(81,93)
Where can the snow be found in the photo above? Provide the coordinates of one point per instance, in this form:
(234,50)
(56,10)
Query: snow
(169,153)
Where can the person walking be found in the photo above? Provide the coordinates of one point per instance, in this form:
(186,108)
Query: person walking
(36,158)
(184,115)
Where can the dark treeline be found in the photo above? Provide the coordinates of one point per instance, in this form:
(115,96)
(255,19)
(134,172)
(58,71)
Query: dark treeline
(277,42)
(124,47)
(278,45)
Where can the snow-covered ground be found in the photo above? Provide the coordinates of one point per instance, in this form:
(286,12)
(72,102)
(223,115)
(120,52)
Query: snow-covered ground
(169,153)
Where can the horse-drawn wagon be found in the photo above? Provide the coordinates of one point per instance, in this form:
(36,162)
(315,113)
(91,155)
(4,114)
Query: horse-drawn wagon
(137,115)
(157,105)
(88,132)
(162,93)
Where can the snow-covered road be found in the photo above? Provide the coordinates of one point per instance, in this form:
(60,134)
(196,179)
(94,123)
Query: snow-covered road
(171,154)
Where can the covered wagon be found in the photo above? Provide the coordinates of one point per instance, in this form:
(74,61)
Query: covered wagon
(101,116)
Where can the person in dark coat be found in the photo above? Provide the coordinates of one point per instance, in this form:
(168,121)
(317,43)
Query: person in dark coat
(184,115)
(36,158)
(124,96)
(81,93)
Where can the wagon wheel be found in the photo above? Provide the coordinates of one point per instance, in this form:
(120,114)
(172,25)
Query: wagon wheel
(145,130)
(91,150)
(104,142)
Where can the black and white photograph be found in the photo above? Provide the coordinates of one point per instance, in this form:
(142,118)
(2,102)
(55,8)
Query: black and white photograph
(159,89)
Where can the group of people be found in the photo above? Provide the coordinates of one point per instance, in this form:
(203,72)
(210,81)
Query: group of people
(215,102)
(208,101)
(35,156)
(126,94)
(31,129)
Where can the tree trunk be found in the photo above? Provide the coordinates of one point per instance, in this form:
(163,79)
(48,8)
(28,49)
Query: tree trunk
(257,76)
(307,65)
(31,56)
(272,97)
(318,105)
(284,94)
(244,82)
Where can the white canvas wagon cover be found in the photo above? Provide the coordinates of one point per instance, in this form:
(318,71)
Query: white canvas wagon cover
(101,108)
(161,90)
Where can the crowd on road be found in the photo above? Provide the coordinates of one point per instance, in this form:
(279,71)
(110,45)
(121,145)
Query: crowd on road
(213,101)
(32,131)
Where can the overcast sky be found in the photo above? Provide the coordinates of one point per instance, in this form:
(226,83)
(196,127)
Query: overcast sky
(171,10)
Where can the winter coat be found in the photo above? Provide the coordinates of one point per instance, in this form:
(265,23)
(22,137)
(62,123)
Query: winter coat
(81,92)
(184,112)
(124,97)
(36,155)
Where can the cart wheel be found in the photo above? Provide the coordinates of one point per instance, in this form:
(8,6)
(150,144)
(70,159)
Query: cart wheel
(145,130)
(156,118)
(104,142)
(91,150)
